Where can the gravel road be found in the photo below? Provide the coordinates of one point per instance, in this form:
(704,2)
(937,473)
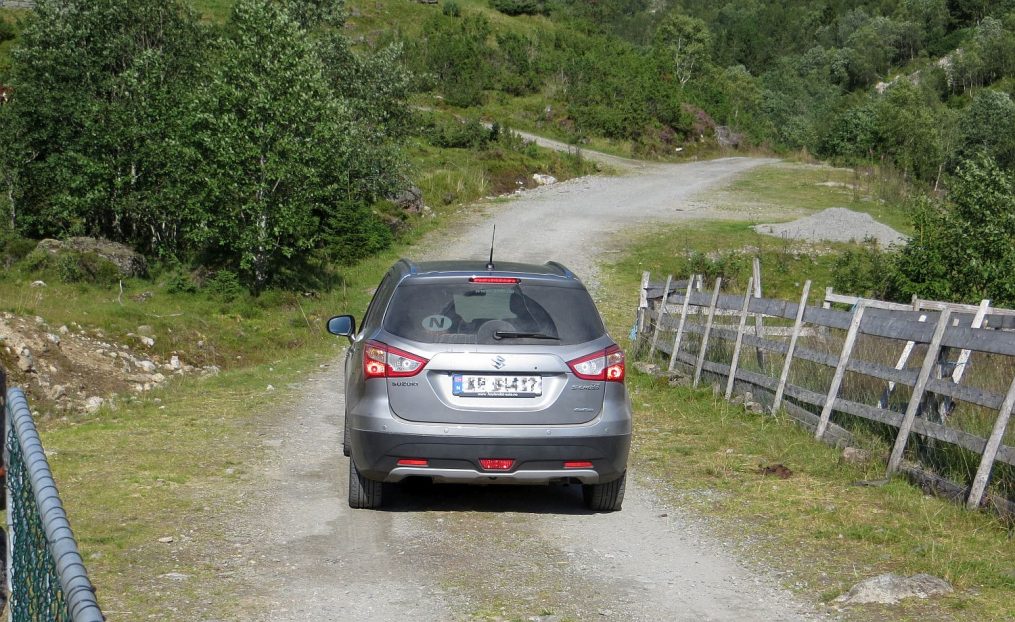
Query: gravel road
(461,553)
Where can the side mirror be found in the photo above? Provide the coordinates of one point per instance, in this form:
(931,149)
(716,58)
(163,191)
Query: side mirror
(344,325)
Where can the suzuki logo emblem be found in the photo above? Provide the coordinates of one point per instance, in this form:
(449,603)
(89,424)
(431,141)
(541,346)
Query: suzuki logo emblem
(499,362)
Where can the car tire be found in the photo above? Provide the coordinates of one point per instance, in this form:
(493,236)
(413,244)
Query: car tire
(363,493)
(346,449)
(608,497)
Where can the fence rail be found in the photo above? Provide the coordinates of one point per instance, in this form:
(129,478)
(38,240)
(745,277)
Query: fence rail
(46,574)
(936,329)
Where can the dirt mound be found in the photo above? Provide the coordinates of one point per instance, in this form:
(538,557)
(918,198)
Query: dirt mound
(836,224)
(72,369)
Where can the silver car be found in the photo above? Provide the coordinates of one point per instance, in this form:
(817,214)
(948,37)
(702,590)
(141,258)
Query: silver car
(473,373)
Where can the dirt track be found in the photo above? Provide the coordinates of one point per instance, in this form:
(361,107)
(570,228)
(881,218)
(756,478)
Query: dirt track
(459,553)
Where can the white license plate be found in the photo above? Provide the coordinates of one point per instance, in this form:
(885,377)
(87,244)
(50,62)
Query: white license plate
(470,385)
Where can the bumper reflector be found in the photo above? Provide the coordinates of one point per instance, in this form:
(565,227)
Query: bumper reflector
(496,464)
(577,464)
(413,462)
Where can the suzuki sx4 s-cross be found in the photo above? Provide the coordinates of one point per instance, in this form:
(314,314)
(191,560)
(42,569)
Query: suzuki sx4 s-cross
(462,372)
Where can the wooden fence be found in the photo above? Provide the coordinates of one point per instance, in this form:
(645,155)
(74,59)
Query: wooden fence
(679,319)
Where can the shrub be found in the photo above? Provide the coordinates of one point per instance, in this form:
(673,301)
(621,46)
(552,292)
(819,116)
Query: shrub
(865,271)
(519,7)
(74,267)
(224,285)
(451,8)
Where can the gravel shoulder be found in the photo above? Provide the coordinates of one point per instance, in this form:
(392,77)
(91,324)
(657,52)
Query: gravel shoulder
(498,553)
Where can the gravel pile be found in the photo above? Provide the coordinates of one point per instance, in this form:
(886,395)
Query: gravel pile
(836,224)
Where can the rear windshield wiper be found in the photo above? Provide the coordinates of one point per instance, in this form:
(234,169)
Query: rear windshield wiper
(507,334)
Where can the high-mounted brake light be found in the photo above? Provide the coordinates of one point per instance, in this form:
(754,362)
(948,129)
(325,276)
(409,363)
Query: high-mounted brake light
(605,365)
(495,280)
(382,361)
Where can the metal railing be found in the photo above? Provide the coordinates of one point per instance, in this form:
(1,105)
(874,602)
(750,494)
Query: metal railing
(46,576)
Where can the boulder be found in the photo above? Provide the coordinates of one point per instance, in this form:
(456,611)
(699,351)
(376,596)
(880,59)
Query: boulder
(889,588)
(410,200)
(127,261)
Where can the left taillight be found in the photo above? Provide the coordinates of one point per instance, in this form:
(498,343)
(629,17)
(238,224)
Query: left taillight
(606,365)
(382,361)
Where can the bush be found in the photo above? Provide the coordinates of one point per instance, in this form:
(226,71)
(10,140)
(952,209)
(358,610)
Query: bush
(519,7)
(74,267)
(451,8)
(224,285)
(181,284)
(7,31)
(863,272)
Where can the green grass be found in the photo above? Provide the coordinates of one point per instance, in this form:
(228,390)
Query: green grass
(810,188)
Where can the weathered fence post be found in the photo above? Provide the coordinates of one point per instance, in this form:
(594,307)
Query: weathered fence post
(660,316)
(708,329)
(642,303)
(680,326)
(740,338)
(903,359)
(797,325)
(947,405)
(979,486)
(840,370)
(759,323)
(918,390)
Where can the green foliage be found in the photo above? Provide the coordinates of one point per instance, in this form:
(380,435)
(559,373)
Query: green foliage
(962,249)
(253,146)
(451,8)
(7,31)
(519,7)
(863,271)
(74,267)
(988,126)
(456,53)
(224,285)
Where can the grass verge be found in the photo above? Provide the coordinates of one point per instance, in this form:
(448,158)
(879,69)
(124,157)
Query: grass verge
(825,531)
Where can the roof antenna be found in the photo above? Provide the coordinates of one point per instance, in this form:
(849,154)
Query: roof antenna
(489,265)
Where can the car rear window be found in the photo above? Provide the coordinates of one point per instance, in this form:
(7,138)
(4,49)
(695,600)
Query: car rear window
(490,314)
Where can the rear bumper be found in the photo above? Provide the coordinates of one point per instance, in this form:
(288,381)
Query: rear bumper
(455,458)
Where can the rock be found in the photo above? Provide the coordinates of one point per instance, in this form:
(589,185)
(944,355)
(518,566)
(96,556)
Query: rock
(543,180)
(146,366)
(158,378)
(64,330)
(410,200)
(270,388)
(57,391)
(176,576)
(854,455)
(889,588)
(167,539)
(174,363)
(128,262)
(93,404)
(25,361)
(38,284)
(647,368)
(210,370)
(148,341)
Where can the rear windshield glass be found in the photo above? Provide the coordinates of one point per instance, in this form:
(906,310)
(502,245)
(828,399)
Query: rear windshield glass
(490,314)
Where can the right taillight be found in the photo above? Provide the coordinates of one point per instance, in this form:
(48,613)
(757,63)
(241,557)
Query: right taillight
(382,361)
(605,365)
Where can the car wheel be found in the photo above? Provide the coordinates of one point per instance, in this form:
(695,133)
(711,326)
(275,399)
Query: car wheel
(363,492)
(606,497)
(346,450)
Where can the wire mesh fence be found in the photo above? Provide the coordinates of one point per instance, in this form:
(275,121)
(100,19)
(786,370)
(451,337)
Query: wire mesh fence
(46,575)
